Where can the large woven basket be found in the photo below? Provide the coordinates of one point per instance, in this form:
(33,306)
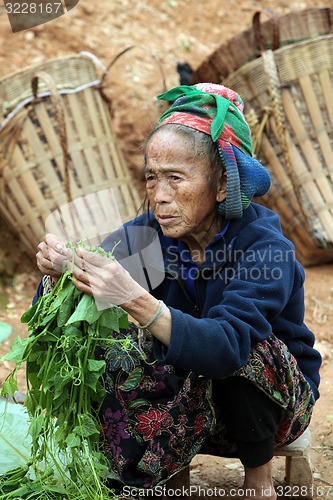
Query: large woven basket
(288,96)
(59,158)
(276,32)
(289,105)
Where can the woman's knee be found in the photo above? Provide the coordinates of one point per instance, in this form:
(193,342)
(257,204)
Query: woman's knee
(249,414)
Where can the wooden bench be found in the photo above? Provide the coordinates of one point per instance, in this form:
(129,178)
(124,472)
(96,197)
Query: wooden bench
(298,470)
(298,465)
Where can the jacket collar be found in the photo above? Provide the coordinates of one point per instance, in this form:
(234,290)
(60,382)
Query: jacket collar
(218,252)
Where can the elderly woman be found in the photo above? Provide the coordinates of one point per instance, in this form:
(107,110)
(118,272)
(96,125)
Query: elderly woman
(230,367)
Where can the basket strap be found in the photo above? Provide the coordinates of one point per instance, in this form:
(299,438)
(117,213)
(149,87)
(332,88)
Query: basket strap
(258,37)
(257,125)
(124,51)
(329,12)
(60,118)
(274,87)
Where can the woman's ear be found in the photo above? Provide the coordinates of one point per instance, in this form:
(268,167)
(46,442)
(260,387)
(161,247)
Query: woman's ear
(222,188)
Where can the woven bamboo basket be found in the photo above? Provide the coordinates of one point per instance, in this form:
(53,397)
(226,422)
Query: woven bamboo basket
(59,159)
(274,33)
(288,97)
(283,70)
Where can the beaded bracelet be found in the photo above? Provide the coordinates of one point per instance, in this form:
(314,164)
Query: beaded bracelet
(160,310)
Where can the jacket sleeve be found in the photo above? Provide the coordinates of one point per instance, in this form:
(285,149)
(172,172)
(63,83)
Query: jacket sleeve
(39,292)
(240,311)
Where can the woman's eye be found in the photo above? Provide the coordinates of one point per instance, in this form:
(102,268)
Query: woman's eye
(174,178)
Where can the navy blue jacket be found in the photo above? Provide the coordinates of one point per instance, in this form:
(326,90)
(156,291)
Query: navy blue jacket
(249,286)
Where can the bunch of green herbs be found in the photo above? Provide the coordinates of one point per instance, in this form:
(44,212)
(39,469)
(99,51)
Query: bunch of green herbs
(64,394)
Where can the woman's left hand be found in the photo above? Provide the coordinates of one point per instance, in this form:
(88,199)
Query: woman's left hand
(104,279)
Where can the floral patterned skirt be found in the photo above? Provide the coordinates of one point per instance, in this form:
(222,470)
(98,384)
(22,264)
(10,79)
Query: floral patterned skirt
(156,418)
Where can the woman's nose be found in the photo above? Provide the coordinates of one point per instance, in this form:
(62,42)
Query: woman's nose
(162,193)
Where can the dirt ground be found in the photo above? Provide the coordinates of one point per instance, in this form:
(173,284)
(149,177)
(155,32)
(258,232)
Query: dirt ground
(175,31)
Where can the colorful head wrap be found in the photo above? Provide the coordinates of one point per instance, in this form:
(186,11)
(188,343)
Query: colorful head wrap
(218,112)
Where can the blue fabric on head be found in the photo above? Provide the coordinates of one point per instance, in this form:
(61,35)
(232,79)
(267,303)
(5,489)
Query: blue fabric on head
(247,178)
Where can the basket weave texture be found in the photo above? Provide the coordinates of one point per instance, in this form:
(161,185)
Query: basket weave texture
(290,28)
(58,152)
(288,97)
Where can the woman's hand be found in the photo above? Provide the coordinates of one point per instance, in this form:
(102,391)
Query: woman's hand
(110,284)
(104,279)
(52,256)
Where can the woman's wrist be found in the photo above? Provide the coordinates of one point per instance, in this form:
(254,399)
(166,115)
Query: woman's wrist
(151,313)
(159,312)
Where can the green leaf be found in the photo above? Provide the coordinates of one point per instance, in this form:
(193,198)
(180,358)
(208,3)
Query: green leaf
(114,318)
(9,387)
(123,320)
(100,392)
(85,311)
(91,379)
(36,426)
(87,426)
(66,307)
(29,314)
(132,380)
(59,401)
(73,332)
(5,331)
(72,440)
(49,318)
(32,373)
(17,350)
(96,366)
(52,305)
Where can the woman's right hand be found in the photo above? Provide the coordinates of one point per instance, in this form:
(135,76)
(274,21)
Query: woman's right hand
(52,256)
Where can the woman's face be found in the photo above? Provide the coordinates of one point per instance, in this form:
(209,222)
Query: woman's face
(182,188)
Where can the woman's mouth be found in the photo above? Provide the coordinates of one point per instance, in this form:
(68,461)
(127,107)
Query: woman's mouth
(164,220)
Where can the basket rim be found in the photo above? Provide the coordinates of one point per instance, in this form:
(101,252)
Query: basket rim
(224,71)
(84,55)
(71,73)
(279,53)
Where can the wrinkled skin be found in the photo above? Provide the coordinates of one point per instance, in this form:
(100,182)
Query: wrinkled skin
(183,191)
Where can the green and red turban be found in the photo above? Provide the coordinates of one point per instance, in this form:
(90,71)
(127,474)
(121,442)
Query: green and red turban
(218,111)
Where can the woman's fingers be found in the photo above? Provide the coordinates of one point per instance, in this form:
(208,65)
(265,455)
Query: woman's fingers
(101,277)
(88,267)
(52,255)
(53,241)
(90,262)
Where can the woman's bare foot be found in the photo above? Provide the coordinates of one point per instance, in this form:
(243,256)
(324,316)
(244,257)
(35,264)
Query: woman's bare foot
(258,483)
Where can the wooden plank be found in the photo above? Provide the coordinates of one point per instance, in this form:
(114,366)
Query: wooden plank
(327,90)
(118,174)
(319,125)
(102,130)
(51,133)
(298,447)
(286,206)
(80,121)
(317,191)
(88,170)
(27,177)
